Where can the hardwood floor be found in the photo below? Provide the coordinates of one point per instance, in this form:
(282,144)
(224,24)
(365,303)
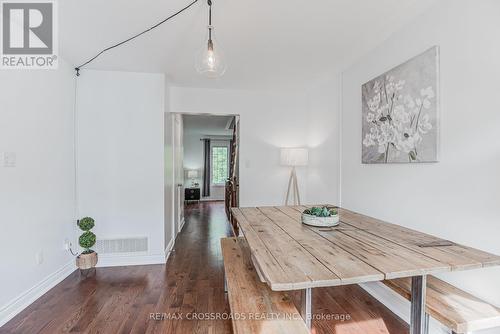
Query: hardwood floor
(123,299)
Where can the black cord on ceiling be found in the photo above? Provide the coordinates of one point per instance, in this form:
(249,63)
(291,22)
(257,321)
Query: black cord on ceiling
(78,68)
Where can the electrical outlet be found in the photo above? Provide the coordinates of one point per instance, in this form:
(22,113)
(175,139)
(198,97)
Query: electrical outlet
(67,244)
(39,257)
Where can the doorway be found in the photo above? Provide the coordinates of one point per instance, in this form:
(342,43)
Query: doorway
(206,162)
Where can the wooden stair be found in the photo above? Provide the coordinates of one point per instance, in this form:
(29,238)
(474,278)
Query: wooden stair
(232,183)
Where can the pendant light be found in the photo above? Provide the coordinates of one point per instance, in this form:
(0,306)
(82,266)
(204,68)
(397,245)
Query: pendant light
(209,59)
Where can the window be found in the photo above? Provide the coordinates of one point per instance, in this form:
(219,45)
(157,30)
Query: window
(219,164)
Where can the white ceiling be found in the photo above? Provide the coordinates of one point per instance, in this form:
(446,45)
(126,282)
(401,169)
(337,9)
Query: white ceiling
(207,125)
(276,43)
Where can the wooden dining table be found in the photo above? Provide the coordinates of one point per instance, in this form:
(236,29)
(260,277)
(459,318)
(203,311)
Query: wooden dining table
(289,255)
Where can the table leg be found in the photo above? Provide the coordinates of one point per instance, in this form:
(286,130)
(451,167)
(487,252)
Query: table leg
(305,309)
(418,318)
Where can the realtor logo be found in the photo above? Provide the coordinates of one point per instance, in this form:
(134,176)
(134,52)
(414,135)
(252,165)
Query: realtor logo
(29,39)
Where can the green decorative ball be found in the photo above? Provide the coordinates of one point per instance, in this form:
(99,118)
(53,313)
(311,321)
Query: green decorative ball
(86,224)
(87,240)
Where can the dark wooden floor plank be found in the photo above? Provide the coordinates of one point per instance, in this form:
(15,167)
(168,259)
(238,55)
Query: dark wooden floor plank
(121,299)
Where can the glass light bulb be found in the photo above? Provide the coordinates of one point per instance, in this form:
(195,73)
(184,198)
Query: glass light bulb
(210,59)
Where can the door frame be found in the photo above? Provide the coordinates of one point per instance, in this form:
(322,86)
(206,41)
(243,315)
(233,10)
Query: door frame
(177,229)
(177,202)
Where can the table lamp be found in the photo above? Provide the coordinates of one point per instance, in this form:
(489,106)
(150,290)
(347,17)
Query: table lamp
(192,174)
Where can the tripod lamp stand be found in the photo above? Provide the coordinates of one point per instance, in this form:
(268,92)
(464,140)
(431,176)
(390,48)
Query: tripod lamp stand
(294,157)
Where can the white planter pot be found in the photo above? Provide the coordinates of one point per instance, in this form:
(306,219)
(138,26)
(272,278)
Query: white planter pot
(312,220)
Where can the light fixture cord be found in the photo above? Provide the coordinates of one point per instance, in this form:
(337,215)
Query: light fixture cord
(78,68)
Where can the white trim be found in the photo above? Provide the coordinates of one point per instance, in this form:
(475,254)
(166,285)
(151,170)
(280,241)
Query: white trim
(399,305)
(174,183)
(18,304)
(169,248)
(129,259)
(181,225)
(229,122)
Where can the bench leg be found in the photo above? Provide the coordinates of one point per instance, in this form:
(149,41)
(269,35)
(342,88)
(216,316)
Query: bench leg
(418,317)
(305,310)
(225,283)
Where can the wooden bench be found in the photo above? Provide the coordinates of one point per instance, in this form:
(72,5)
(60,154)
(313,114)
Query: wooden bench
(454,308)
(259,309)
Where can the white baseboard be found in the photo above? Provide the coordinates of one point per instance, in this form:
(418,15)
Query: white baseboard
(169,248)
(10,310)
(398,305)
(129,259)
(183,221)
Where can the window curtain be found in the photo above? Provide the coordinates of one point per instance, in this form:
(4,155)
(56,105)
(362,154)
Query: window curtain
(206,168)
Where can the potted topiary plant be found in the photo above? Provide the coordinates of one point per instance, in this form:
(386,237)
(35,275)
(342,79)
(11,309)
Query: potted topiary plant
(321,217)
(88,258)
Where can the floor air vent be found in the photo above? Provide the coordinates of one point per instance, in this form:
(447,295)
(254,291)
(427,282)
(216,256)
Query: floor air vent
(130,245)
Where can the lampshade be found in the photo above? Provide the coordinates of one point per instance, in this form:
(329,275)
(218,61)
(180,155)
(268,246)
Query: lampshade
(294,156)
(192,174)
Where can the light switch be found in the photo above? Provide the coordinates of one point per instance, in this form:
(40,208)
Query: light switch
(9,159)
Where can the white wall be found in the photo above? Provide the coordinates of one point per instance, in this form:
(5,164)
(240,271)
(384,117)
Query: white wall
(268,121)
(193,156)
(457,198)
(193,160)
(323,113)
(121,158)
(37,196)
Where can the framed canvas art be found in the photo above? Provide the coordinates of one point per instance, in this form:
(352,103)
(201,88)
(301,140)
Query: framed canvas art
(400,113)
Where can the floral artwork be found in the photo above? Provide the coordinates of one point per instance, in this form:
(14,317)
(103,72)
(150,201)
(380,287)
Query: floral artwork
(400,109)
